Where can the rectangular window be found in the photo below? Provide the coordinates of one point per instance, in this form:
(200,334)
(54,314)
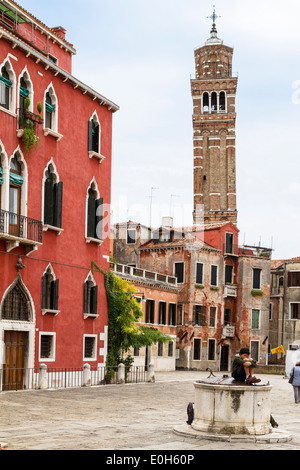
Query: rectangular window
(211,349)
(172,314)
(162,313)
(294,279)
(255,319)
(179,272)
(170,349)
(90,347)
(136,351)
(228,274)
(160,349)
(197,349)
(150,305)
(131,236)
(214,276)
(212,316)
(295,311)
(271,311)
(47,347)
(199,315)
(199,273)
(256,278)
(229,243)
(254,350)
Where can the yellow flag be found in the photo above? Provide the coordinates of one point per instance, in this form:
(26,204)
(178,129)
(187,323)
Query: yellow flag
(278,350)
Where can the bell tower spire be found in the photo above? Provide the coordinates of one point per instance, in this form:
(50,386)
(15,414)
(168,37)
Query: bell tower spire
(213,92)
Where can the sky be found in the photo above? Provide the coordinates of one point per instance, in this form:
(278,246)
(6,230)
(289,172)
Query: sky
(140,55)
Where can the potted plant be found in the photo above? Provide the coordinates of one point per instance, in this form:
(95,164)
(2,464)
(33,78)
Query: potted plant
(27,104)
(39,110)
(29,138)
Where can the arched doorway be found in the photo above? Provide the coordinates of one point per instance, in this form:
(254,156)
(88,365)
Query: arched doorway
(16,309)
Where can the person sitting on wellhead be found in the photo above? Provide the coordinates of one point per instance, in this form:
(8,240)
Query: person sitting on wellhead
(242,367)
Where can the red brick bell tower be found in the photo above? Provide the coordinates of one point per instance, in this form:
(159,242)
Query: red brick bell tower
(213,92)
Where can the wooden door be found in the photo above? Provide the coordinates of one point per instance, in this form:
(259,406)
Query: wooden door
(13,370)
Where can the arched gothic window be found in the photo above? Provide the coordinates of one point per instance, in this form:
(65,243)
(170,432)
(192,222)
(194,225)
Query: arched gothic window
(90,298)
(94,214)
(49,290)
(16,305)
(53,195)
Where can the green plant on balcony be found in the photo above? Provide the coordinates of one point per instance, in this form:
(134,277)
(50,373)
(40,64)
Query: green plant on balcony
(30,140)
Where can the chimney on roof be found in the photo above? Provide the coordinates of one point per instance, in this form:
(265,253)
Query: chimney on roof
(167,222)
(60,31)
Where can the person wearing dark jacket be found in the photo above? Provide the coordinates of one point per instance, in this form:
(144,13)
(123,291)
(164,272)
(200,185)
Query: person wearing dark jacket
(242,367)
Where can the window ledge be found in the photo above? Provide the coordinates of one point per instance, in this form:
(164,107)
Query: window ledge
(96,155)
(51,132)
(93,240)
(7,111)
(48,310)
(47,227)
(20,133)
(90,315)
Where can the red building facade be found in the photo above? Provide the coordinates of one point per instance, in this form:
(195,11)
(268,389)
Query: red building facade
(52,221)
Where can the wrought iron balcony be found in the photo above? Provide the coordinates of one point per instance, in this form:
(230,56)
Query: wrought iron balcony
(17,229)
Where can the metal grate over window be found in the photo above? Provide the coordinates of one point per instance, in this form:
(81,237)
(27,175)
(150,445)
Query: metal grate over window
(46,346)
(89,346)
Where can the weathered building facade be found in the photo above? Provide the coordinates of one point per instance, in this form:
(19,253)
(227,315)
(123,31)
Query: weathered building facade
(157,294)
(284,306)
(223,297)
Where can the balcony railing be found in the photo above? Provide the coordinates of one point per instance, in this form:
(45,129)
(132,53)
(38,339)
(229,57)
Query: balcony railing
(143,273)
(16,226)
(27,119)
(230,291)
(228,331)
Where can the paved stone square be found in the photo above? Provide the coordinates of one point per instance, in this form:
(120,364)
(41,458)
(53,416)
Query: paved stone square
(126,417)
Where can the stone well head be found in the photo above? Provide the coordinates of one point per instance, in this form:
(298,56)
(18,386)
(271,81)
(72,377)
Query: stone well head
(225,406)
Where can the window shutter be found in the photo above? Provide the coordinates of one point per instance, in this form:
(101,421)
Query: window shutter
(54,295)
(57,219)
(99,218)
(199,273)
(94,299)
(91,219)
(48,202)
(85,297)
(90,136)
(44,289)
